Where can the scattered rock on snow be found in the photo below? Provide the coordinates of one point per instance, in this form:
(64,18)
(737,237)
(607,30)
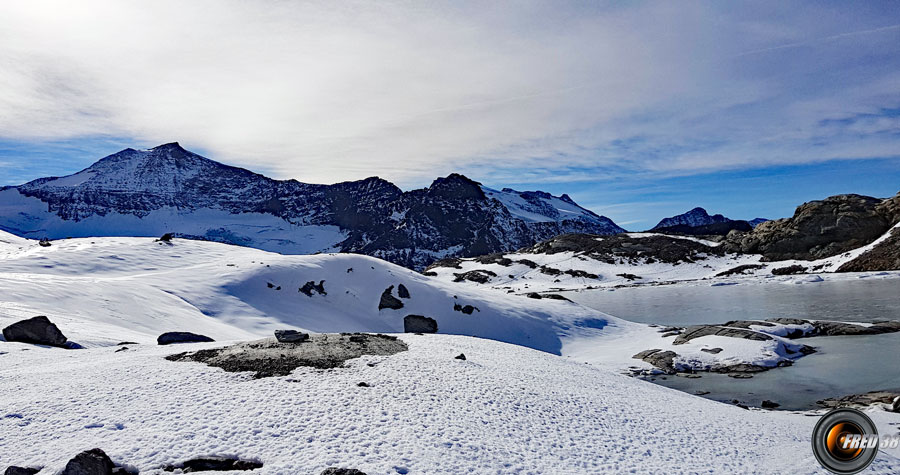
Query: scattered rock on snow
(363,384)
(767,404)
(461,356)
(44,242)
(402,291)
(389,301)
(90,462)
(268,357)
(38,330)
(291,336)
(713,351)
(789,270)
(466,309)
(311,286)
(479,276)
(208,464)
(419,324)
(659,358)
(182,337)
(341,471)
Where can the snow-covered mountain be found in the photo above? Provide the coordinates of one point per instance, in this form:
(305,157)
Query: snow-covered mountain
(169,189)
(693,218)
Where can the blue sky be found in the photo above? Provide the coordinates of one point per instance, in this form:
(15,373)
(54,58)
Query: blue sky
(637,110)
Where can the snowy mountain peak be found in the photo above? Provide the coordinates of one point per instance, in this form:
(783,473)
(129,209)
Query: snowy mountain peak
(693,218)
(170,189)
(542,207)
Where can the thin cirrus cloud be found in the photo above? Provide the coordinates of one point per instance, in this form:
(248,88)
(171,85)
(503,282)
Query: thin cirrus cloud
(331,91)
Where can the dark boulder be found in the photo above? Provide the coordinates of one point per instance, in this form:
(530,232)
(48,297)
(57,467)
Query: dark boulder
(402,291)
(713,351)
(389,301)
(461,356)
(44,242)
(89,462)
(341,471)
(311,286)
(217,464)
(466,309)
(767,404)
(13,470)
(663,360)
(419,324)
(182,337)
(479,276)
(291,336)
(38,330)
(789,270)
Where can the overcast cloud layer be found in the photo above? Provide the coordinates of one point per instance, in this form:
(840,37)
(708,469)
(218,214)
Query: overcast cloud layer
(508,91)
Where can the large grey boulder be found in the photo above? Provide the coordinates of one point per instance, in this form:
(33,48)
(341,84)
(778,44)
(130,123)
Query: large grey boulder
(663,360)
(89,462)
(389,301)
(38,330)
(291,336)
(182,337)
(419,324)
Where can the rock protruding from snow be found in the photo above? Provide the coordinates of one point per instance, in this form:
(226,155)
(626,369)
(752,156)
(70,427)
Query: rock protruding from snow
(182,337)
(90,462)
(268,357)
(389,301)
(214,464)
(403,292)
(341,471)
(13,470)
(697,331)
(311,286)
(38,330)
(419,324)
(291,336)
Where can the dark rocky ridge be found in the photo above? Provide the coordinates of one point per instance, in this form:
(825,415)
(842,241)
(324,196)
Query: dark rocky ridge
(408,228)
(820,229)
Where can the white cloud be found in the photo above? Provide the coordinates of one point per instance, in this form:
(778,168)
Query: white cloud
(329,91)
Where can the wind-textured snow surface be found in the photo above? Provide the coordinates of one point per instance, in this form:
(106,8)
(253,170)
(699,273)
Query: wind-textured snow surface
(505,409)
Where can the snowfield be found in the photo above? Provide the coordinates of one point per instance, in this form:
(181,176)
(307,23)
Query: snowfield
(507,408)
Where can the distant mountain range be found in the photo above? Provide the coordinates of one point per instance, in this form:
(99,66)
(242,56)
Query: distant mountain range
(169,189)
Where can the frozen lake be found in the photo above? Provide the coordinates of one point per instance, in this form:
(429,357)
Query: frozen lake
(843,365)
(860,300)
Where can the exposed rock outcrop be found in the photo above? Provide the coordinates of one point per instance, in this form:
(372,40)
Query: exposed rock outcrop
(214,464)
(820,229)
(389,301)
(182,337)
(269,357)
(37,330)
(883,256)
(419,324)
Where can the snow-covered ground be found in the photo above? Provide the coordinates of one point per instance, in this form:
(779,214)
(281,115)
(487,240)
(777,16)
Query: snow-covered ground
(520,278)
(506,409)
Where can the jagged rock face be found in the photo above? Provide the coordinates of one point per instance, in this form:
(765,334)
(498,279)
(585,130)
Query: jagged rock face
(608,248)
(820,229)
(455,216)
(695,217)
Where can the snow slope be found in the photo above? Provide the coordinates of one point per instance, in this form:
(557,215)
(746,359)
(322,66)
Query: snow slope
(541,207)
(101,291)
(506,409)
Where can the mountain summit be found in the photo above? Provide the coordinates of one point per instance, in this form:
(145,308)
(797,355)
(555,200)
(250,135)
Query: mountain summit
(170,189)
(693,218)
